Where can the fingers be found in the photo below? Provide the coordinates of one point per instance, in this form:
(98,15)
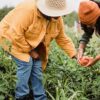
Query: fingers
(34,54)
(91,62)
(86,61)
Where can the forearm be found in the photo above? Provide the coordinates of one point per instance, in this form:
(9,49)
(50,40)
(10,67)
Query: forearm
(82,46)
(88,32)
(81,50)
(67,45)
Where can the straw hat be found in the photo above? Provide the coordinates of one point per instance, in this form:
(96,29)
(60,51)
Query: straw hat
(55,8)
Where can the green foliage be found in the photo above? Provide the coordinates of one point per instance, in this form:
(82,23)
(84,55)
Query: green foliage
(70,18)
(7,68)
(97,0)
(4,11)
(66,80)
(7,75)
(75,36)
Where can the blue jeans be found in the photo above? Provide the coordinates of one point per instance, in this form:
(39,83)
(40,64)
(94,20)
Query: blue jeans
(29,70)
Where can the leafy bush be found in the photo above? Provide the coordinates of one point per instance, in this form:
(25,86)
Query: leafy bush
(70,18)
(66,80)
(7,68)
(4,11)
(7,75)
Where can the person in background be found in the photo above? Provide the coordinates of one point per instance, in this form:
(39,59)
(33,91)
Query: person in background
(89,16)
(28,30)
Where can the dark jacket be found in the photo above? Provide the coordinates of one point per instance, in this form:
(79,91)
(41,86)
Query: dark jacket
(88,32)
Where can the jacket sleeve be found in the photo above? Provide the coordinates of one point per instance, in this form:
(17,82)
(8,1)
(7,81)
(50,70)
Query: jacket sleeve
(65,42)
(88,32)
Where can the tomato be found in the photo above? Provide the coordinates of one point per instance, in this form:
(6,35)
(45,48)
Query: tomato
(83,61)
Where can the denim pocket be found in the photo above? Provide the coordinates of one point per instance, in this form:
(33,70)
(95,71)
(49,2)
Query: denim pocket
(17,61)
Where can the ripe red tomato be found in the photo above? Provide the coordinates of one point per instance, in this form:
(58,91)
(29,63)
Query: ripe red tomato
(84,61)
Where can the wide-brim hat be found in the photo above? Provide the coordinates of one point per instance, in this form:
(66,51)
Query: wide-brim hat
(55,8)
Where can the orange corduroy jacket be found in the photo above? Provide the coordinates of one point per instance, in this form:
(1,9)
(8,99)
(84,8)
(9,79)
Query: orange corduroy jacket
(25,28)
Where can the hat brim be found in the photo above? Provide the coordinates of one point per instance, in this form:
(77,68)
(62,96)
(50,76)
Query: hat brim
(55,13)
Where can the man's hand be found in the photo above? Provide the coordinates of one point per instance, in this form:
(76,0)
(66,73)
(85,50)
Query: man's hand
(85,60)
(93,61)
(34,54)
